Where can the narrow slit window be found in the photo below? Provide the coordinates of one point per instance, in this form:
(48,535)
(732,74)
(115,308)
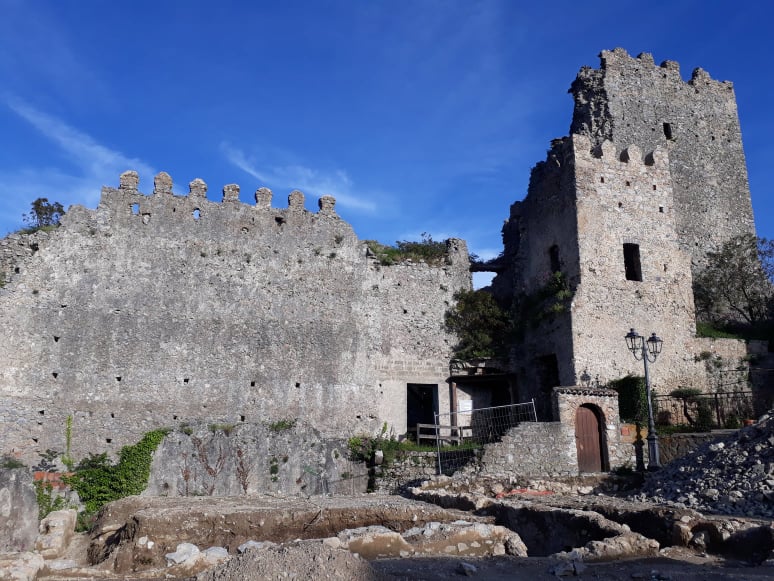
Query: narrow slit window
(632,264)
(668,131)
(553,256)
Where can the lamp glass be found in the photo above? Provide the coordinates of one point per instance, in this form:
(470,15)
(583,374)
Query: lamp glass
(654,344)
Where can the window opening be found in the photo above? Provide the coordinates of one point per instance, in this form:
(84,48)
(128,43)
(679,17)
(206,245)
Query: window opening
(135,209)
(197,214)
(632,265)
(668,131)
(553,255)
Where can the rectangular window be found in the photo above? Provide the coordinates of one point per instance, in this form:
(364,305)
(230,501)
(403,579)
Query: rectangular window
(553,255)
(632,262)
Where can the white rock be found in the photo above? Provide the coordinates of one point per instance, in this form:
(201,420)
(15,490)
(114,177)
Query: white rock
(184,552)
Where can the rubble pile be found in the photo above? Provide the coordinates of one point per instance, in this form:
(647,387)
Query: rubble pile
(733,476)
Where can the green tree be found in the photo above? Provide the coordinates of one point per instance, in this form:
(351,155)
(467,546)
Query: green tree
(43,213)
(480,324)
(736,285)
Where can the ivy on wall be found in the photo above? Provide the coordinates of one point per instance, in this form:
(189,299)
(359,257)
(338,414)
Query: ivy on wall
(97,481)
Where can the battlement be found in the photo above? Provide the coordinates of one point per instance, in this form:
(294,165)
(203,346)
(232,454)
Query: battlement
(620,60)
(607,153)
(165,213)
(579,149)
(197,191)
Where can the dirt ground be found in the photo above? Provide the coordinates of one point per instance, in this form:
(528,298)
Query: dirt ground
(676,565)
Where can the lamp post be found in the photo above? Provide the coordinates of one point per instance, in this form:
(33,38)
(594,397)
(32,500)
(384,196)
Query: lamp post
(647,351)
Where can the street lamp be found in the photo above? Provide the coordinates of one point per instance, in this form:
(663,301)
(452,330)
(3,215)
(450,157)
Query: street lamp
(647,351)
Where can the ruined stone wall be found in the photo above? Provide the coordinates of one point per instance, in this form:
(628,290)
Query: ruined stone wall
(242,458)
(633,101)
(155,310)
(545,219)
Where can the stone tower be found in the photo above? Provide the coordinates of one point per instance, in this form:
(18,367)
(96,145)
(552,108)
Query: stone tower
(633,101)
(615,221)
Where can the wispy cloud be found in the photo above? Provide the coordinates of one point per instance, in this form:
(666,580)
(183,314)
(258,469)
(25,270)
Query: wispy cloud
(334,183)
(92,157)
(92,165)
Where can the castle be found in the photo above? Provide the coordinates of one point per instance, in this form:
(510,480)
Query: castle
(156,310)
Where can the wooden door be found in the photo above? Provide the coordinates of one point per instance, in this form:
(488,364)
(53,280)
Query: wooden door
(587,440)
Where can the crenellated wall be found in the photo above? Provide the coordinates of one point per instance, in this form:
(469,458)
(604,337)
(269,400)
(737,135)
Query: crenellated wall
(154,310)
(630,100)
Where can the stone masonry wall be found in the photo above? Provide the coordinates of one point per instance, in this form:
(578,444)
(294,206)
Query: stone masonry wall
(155,310)
(632,101)
(532,449)
(625,197)
(546,218)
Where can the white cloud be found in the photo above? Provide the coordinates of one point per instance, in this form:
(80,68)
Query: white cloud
(93,165)
(310,181)
(92,157)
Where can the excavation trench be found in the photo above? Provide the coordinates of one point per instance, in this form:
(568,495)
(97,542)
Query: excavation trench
(137,533)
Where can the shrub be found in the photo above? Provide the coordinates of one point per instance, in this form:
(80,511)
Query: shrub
(632,398)
(48,501)
(9,463)
(282,425)
(428,250)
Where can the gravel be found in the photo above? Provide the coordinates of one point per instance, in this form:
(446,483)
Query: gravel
(733,475)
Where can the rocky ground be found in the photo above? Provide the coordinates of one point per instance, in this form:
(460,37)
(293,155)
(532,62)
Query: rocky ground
(706,517)
(733,476)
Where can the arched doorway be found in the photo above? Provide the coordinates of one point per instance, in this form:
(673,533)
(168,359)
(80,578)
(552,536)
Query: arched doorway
(589,439)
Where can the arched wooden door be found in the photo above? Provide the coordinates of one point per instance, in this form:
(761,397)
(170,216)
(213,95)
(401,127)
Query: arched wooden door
(587,440)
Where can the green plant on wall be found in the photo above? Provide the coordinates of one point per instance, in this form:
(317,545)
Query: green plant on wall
(427,250)
(48,500)
(98,481)
(67,458)
(282,425)
(632,398)
(553,298)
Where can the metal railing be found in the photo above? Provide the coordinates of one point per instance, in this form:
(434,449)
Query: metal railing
(710,410)
(460,436)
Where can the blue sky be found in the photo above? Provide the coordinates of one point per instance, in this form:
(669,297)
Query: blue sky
(421,116)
